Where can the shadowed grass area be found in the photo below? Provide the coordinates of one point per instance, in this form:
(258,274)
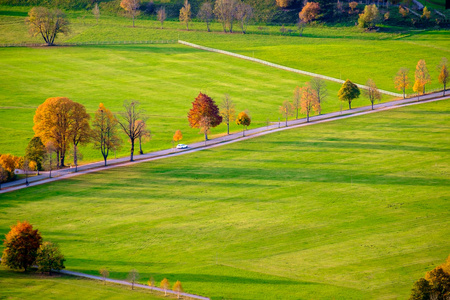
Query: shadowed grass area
(351,209)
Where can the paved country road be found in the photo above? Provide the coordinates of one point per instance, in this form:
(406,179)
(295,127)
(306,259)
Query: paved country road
(224,140)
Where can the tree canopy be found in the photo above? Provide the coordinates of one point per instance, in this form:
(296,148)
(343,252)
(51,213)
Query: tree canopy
(244,120)
(204,114)
(348,92)
(21,246)
(47,23)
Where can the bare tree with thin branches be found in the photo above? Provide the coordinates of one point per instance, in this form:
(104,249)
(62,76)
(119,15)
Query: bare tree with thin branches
(320,87)
(129,122)
(206,14)
(161,15)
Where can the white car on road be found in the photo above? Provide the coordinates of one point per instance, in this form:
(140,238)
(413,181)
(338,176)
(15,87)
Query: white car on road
(182,146)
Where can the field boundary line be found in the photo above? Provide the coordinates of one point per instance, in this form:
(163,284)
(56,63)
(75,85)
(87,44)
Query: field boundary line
(279,66)
(89,43)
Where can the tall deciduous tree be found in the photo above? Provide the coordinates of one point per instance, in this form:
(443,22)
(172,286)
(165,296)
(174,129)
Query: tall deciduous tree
(21,246)
(370,17)
(444,74)
(96,12)
(131,7)
(401,80)
(63,122)
(185,14)
(165,285)
(286,110)
(177,287)
(206,14)
(161,15)
(133,276)
(422,77)
(244,13)
(80,131)
(309,12)
(244,120)
(296,100)
(35,152)
(129,122)
(227,111)
(105,131)
(320,87)
(49,258)
(204,114)
(48,162)
(309,101)
(372,92)
(348,92)
(47,23)
(225,12)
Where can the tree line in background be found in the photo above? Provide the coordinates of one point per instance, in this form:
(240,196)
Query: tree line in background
(61,125)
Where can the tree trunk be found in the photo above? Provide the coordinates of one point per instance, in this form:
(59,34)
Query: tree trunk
(228,128)
(296,116)
(243,130)
(349,104)
(133,20)
(404,93)
(372,105)
(206,135)
(75,158)
(307,117)
(286,121)
(132,150)
(140,145)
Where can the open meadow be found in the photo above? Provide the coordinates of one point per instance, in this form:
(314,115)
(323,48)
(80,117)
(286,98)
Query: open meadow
(350,209)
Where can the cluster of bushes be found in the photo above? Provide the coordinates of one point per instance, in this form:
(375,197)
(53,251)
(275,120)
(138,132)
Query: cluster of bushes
(435,285)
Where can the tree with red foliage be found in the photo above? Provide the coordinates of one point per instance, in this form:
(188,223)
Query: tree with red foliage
(21,246)
(204,114)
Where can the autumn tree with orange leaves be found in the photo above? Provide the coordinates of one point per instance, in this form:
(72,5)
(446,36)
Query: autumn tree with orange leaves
(372,92)
(21,246)
(177,287)
(63,122)
(132,122)
(309,12)
(204,114)
(178,136)
(401,80)
(131,7)
(244,120)
(309,101)
(165,285)
(422,77)
(105,131)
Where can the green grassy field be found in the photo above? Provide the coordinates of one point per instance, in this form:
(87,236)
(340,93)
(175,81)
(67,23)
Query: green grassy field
(351,209)
(164,78)
(17,285)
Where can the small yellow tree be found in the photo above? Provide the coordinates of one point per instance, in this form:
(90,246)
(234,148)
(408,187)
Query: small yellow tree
(185,14)
(401,80)
(309,12)
(426,13)
(178,136)
(286,110)
(296,100)
(309,101)
(165,285)
(178,288)
(352,6)
(244,120)
(422,76)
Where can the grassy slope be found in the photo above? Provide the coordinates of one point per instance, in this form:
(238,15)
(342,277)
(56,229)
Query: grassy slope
(352,209)
(16,285)
(165,78)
